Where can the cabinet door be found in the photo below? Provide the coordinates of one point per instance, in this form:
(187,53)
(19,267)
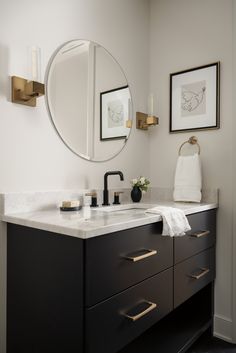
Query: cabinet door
(115,322)
(193,274)
(119,260)
(44,292)
(201,236)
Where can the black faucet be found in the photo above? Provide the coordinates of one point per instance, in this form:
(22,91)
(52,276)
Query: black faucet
(105,191)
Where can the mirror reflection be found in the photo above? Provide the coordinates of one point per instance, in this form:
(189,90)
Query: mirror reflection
(89,100)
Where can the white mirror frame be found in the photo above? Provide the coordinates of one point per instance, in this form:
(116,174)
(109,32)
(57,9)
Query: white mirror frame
(52,119)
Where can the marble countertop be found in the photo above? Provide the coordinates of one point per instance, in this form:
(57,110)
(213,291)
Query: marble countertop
(88,222)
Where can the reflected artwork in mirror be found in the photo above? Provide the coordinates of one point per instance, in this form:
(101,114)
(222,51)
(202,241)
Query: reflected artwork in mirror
(89,100)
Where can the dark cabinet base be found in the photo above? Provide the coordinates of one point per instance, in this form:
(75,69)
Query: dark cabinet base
(108,319)
(66,294)
(44,292)
(180,329)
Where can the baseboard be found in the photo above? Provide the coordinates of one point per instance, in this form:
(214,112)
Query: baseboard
(223,328)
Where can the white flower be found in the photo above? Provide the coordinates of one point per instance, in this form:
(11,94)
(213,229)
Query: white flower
(134,181)
(142,180)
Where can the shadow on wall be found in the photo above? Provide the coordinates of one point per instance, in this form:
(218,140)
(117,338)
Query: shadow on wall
(4,78)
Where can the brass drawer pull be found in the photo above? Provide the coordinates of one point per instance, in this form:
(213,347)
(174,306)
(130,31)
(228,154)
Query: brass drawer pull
(203,273)
(200,233)
(143,313)
(141,257)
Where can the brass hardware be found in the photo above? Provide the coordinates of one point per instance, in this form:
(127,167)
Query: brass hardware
(143,313)
(93,193)
(128,123)
(116,197)
(151,120)
(117,193)
(143,121)
(26,92)
(141,257)
(203,273)
(193,141)
(200,234)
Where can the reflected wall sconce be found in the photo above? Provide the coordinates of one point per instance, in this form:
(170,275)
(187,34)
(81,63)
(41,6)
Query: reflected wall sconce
(128,123)
(27,91)
(143,120)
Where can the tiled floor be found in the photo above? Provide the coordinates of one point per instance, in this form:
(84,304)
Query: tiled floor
(208,344)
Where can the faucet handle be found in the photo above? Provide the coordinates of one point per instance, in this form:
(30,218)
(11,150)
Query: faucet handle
(116,197)
(93,195)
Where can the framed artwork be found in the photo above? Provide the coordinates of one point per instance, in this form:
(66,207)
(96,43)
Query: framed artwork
(195,99)
(114,112)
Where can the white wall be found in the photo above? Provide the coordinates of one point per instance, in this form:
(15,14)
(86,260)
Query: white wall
(32,155)
(185,34)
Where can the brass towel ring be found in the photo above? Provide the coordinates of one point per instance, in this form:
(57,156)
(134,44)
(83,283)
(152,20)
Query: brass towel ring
(193,141)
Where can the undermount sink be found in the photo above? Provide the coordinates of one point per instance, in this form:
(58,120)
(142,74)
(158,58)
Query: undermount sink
(130,206)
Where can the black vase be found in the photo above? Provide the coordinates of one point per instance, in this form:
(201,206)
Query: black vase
(136,194)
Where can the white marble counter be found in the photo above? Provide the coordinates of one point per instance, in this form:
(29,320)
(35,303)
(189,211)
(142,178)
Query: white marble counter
(88,223)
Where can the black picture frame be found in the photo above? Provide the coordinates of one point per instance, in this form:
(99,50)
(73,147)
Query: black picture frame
(117,129)
(195,99)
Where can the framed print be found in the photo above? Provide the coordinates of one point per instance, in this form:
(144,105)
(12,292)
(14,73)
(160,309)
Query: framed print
(195,99)
(114,112)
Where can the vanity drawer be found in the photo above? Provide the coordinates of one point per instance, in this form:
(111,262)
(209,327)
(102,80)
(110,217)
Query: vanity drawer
(201,236)
(119,260)
(193,274)
(108,329)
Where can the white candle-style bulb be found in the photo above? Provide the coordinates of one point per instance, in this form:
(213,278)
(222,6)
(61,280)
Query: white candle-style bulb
(150,104)
(129,109)
(35,63)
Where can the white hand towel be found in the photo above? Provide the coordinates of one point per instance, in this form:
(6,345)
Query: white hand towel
(188,179)
(175,222)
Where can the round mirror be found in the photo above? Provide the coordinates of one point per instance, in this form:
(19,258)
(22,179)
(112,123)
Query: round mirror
(89,100)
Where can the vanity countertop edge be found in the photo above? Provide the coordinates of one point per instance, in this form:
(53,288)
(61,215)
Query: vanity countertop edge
(99,223)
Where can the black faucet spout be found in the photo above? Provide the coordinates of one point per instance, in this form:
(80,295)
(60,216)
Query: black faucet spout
(105,190)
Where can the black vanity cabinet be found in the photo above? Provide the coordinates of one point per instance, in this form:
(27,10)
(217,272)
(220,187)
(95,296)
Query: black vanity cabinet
(194,256)
(128,291)
(129,285)
(113,263)
(44,292)
(193,291)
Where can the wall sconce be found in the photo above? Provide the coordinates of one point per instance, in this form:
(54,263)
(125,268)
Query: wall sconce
(27,91)
(143,120)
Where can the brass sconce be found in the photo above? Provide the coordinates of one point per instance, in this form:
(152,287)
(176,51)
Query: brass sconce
(143,121)
(26,92)
(128,123)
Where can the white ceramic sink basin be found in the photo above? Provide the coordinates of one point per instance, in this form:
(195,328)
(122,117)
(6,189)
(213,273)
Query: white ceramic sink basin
(129,206)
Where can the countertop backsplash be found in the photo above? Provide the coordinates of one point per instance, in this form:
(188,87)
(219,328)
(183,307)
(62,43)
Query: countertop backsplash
(47,200)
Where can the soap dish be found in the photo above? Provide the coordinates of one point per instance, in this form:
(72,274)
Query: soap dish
(65,209)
